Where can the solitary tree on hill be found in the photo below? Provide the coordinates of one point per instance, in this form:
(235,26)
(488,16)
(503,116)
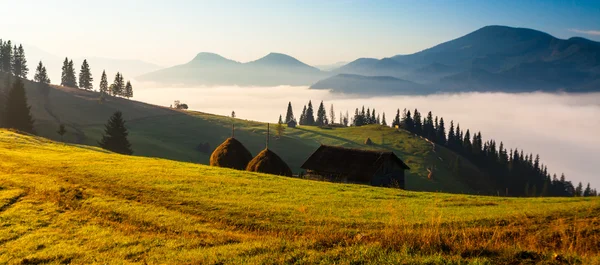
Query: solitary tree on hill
(289,116)
(41,75)
(18,115)
(85,77)
(115,135)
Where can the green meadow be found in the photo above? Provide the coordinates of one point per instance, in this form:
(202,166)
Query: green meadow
(66,203)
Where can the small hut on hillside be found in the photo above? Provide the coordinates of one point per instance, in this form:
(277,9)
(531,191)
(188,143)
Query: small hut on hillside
(291,124)
(268,162)
(377,168)
(231,154)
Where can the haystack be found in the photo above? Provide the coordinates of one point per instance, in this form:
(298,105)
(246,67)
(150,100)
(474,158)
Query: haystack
(268,162)
(368,141)
(231,154)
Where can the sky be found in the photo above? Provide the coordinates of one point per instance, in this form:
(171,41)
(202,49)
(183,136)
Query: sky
(316,32)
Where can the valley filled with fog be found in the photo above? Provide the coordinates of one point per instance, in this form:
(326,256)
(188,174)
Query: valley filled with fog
(562,128)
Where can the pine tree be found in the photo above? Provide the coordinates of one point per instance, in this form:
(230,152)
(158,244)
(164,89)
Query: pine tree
(321,115)
(6,57)
(115,135)
(332,115)
(396,121)
(68,78)
(441,132)
(103,83)
(280,119)
(579,190)
(85,77)
(418,123)
(41,75)
(118,87)
(310,116)
(128,90)
(18,114)
(289,115)
(383,122)
(303,116)
(588,191)
(19,62)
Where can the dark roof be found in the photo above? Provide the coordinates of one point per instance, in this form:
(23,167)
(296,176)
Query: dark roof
(291,122)
(334,159)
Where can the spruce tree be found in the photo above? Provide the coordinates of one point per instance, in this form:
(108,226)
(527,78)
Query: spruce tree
(115,135)
(441,132)
(19,62)
(588,191)
(289,115)
(68,78)
(128,90)
(579,190)
(103,83)
(332,114)
(85,76)
(18,114)
(6,57)
(310,116)
(383,122)
(117,85)
(41,75)
(280,119)
(396,119)
(303,116)
(321,115)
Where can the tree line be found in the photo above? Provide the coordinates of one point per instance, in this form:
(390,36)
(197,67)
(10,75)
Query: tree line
(512,172)
(13,61)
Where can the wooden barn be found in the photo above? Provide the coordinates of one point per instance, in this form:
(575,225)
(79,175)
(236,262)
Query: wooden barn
(377,168)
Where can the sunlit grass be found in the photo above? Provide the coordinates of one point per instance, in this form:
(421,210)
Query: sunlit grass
(66,203)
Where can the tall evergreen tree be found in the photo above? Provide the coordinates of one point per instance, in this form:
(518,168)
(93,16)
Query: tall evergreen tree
(588,191)
(17,112)
(383,122)
(310,116)
(321,115)
(41,75)
(289,115)
(331,115)
(579,190)
(128,90)
(19,62)
(118,86)
(6,57)
(396,121)
(441,132)
(68,78)
(115,135)
(104,83)
(418,123)
(302,120)
(85,76)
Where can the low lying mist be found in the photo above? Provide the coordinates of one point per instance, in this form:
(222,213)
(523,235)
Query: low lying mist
(562,128)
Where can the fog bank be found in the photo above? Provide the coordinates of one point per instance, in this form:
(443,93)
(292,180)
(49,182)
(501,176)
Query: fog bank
(562,128)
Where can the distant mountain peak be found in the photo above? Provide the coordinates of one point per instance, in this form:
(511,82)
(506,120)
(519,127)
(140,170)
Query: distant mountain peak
(209,56)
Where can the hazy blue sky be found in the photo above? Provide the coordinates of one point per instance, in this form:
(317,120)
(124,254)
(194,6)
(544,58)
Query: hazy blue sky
(316,32)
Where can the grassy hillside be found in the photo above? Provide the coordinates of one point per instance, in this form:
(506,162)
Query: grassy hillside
(166,133)
(62,203)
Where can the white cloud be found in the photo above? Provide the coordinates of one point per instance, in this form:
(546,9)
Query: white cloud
(587,32)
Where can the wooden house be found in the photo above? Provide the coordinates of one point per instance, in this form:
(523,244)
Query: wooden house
(291,124)
(377,168)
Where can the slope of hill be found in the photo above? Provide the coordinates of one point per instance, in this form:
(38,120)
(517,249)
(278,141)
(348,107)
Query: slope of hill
(167,133)
(370,85)
(209,69)
(63,203)
(526,59)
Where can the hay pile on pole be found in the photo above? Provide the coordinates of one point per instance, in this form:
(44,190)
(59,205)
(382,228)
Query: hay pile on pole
(231,154)
(368,141)
(268,162)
